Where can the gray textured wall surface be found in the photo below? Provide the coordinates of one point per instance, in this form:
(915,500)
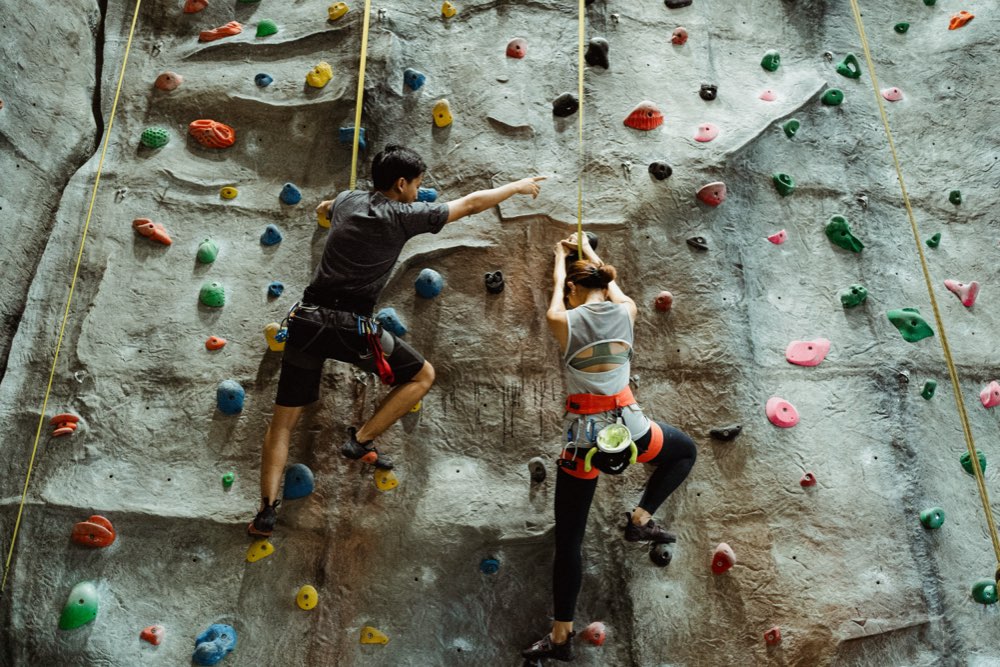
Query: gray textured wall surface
(844,568)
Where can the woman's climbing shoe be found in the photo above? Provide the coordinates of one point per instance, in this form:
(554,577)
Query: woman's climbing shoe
(263,523)
(546,648)
(353,449)
(649,532)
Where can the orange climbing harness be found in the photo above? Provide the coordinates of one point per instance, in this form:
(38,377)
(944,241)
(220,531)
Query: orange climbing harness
(361,94)
(952,372)
(69,298)
(592,404)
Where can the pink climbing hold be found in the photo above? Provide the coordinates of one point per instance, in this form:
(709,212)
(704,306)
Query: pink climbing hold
(966,292)
(778,237)
(892,94)
(679,37)
(807,352)
(773,636)
(706,132)
(990,396)
(723,558)
(769,95)
(713,194)
(645,116)
(664,301)
(781,413)
(595,633)
(517,48)
(808,479)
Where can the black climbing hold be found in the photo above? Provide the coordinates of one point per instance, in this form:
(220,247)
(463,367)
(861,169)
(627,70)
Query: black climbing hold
(726,432)
(565,105)
(536,467)
(660,170)
(660,555)
(494,282)
(708,91)
(677,4)
(597,53)
(698,242)
(592,237)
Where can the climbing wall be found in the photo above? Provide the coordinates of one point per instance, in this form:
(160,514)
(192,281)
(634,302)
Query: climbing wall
(453,565)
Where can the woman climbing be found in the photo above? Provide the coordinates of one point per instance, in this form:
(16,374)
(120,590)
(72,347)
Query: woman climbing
(592,320)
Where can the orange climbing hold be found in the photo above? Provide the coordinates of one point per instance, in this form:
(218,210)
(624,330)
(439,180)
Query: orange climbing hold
(960,19)
(194,6)
(95,532)
(168,81)
(215,343)
(151,230)
(228,30)
(645,116)
(595,633)
(65,424)
(212,133)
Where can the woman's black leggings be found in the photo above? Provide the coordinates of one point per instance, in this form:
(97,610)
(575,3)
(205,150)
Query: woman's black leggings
(573,499)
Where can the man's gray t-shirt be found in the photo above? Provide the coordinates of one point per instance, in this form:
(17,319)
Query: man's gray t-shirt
(367,234)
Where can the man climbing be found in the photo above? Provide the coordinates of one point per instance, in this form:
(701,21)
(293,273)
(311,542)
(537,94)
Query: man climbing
(333,321)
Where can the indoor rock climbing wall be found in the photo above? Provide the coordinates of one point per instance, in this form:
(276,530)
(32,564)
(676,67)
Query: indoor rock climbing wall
(843,567)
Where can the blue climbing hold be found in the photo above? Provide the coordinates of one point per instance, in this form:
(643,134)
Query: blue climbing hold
(229,397)
(271,235)
(290,194)
(263,80)
(299,481)
(429,283)
(413,79)
(347,137)
(390,321)
(275,289)
(214,644)
(489,566)
(427,194)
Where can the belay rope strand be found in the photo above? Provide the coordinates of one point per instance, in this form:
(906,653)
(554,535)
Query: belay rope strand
(361,94)
(579,181)
(952,372)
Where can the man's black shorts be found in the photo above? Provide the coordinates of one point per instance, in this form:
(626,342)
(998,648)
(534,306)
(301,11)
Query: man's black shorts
(316,334)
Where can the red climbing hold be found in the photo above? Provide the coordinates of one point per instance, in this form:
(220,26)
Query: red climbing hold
(713,194)
(664,301)
(65,424)
(168,81)
(94,532)
(807,352)
(215,343)
(212,133)
(154,231)
(706,132)
(194,6)
(153,634)
(645,116)
(781,413)
(228,30)
(517,48)
(966,292)
(808,479)
(773,636)
(778,237)
(723,558)
(960,19)
(595,633)
(990,396)
(679,37)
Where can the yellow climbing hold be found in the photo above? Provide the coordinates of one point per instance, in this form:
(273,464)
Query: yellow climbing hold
(307,597)
(442,113)
(258,550)
(320,75)
(448,10)
(416,408)
(228,192)
(370,635)
(385,480)
(336,10)
(322,220)
(270,333)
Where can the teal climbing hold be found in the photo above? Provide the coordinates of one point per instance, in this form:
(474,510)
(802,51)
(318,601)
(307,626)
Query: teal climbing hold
(266,27)
(910,324)
(854,295)
(932,517)
(791,126)
(984,591)
(832,97)
(155,137)
(966,462)
(771,61)
(901,27)
(213,295)
(934,241)
(80,607)
(784,183)
(849,67)
(839,233)
(955,197)
(207,251)
(929,388)
(489,566)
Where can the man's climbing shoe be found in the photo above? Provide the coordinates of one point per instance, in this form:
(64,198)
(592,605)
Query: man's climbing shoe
(263,523)
(353,449)
(649,532)
(546,648)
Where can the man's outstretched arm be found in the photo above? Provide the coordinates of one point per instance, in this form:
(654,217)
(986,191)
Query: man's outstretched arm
(481,200)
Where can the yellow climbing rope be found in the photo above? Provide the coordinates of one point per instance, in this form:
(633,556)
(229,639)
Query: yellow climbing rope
(361,94)
(69,298)
(952,372)
(579,181)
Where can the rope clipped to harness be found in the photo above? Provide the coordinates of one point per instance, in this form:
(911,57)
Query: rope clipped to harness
(374,337)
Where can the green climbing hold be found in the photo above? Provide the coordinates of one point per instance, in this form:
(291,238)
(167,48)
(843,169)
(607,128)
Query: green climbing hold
(966,462)
(955,197)
(832,97)
(929,3)
(932,517)
(934,241)
(784,183)
(929,388)
(227,479)
(791,126)
(984,591)
(266,27)
(910,324)
(771,61)
(207,251)
(212,295)
(854,295)
(849,67)
(155,137)
(80,607)
(901,27)
(839,232)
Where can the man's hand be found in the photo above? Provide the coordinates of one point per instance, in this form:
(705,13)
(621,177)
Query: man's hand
(323,210)
(529,186)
